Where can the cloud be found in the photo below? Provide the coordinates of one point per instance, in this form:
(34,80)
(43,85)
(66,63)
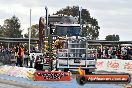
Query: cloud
(22,12)
(113,16)
(24,3)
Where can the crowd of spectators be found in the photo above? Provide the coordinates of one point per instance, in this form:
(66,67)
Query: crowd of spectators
(115,53)
(124,53)
(6,54)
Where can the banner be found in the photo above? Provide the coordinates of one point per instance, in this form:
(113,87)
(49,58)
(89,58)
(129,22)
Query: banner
(52,76)
(114,65)
(101,64)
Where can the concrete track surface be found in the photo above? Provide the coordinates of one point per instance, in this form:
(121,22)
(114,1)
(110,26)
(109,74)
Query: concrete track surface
(14,82)
(4,83)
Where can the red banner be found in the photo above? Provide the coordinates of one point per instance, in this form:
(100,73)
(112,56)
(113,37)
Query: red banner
(104,78)
(52,76)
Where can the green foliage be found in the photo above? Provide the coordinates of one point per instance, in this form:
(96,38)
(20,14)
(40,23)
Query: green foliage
(74,11)
(11,28)
(1,31)
(34,31)
(90,27)
(34,34)
(112,37)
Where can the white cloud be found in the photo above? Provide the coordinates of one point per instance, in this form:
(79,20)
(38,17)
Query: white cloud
(113,16)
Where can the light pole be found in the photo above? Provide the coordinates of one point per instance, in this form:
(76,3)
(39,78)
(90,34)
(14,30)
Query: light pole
(80,15)
(29,32)
(47,34)
(46,30)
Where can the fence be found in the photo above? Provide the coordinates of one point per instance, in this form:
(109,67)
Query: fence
(114,65)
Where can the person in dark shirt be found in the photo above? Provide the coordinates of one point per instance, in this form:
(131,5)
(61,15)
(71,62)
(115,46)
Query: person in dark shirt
(118,53)
(106,52)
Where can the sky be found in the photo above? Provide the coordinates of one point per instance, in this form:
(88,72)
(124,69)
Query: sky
(113,16)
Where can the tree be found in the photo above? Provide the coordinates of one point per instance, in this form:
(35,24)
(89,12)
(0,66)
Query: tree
(90,27)
(34,31)
(11,28)
(112,37)
(34,34)
(73,11)
(1,31)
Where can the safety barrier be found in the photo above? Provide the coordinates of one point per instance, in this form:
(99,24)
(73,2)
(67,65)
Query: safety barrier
(114,65)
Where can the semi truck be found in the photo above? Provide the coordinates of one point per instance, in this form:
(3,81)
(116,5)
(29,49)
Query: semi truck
(76,51)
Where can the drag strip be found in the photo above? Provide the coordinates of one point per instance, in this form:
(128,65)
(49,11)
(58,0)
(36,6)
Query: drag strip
(26,83)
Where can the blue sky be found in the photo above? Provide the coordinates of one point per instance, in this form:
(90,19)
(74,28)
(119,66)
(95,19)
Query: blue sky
(113,16)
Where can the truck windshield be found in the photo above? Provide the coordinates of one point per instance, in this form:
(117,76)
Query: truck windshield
(68,30)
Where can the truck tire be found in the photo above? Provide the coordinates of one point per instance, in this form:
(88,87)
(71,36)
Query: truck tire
(81,80)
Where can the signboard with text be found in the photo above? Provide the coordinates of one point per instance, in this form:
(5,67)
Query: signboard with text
(116,65)
(52,76)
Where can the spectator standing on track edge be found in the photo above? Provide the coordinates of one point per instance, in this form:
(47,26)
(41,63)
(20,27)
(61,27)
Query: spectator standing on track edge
(19,54)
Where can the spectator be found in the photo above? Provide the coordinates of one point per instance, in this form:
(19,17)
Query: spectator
(32,60)
(19,55)
(26,57)
(118,53)
(124,53)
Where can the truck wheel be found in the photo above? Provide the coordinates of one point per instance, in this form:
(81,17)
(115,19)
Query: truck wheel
(81,80)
